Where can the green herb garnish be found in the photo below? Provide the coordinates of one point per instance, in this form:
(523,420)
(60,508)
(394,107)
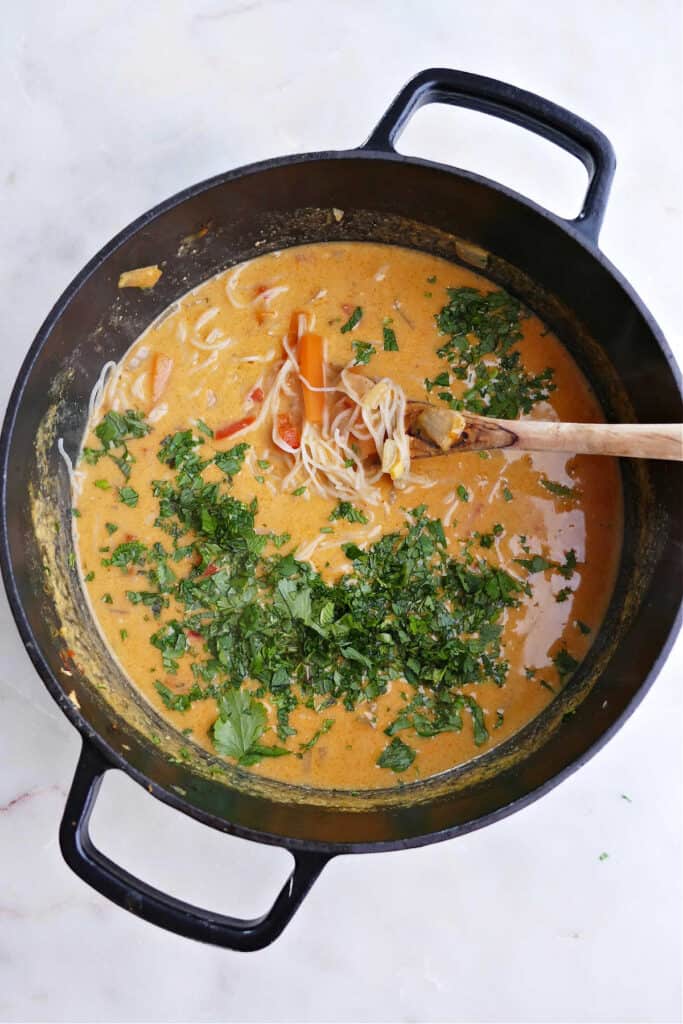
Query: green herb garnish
(345,510)
(353,320)
(364,352)
(397,756)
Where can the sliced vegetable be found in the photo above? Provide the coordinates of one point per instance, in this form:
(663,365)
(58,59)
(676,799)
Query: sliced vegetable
(288,430)
(311,362)
(233,428)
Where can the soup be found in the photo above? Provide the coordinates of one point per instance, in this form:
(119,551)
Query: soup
(274,571)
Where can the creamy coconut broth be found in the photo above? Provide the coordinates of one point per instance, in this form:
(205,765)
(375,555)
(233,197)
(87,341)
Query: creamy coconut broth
(285,628)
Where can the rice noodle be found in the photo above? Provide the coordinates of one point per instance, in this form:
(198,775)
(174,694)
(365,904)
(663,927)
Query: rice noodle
(267,358)
(158,412)
(75,475)
(98,390)
(215,341)
(138,387)
(206,318)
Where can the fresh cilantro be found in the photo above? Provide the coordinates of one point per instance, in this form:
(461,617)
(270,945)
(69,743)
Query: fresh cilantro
(564,663)
(507,493)
(89,577)
(204,428)
(563,595)
(231,461)
(103,485)
(107,599)
(559,489)
(129,496)
(462,492)
(325,727)
(353,320)
(123,633)
(241,722)
(345,510)
(397,756)
(389,338)
(582,627)
(132,552)
(111,528)
(535,564)
(482,330)
(364,351)
(299,491)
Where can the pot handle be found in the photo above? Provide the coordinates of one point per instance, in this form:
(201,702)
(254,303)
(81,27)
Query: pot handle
(461,89)
(119,886)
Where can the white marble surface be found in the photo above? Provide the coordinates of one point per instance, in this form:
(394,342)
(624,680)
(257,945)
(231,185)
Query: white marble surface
(104,109)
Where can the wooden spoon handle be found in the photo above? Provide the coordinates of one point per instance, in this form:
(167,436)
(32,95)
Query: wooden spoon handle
(628,440)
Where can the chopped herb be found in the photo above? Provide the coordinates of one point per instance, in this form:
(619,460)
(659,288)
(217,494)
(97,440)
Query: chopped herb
(431,279)
(397,756)
(89,577)
(500,718)
(345,510)
(231,461)
(123,633)
(326,529)
(204,428)
(364,352)
(507,493)
(107,598)
(111,528)
(626,798)
(559,489)
(570,563)
(603,856)
(482,331)
(240,724)
(353,320)
(325,727)
(564,663)
(103,485)
(582,627)
(389,338)
(463,493)
(76,513)
(299,491)
(563,595)
(535,564)
(263,464)
(129,496)
(442,380)
(546,685)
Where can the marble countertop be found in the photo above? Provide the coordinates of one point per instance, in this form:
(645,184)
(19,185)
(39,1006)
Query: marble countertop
(105,109)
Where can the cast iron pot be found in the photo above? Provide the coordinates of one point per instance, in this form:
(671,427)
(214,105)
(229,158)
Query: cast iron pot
(555,267)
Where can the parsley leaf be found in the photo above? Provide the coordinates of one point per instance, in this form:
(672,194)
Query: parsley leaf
(241,722)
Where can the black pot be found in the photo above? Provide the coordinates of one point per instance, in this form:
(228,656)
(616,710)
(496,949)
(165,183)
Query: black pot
(555,267)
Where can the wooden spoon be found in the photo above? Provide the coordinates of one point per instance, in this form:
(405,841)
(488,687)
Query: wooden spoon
(438,431)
